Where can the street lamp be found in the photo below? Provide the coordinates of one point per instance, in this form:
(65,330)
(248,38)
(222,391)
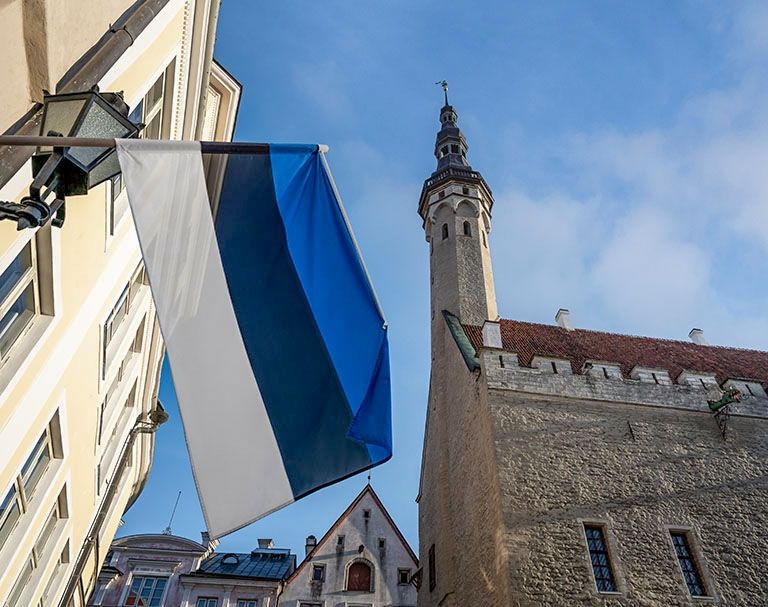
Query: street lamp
(71,170)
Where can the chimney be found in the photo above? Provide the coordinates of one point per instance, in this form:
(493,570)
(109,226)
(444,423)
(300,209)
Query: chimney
(310,544)
(265,543)
(697,337)
(492,334)
(563,319)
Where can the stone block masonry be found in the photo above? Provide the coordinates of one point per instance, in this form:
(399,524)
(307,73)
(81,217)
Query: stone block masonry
(640,460)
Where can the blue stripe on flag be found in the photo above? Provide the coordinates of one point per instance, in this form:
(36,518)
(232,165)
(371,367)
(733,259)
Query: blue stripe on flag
(296,371)
(338,290)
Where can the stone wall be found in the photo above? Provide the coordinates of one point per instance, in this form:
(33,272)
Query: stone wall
(459,500)
(640,459)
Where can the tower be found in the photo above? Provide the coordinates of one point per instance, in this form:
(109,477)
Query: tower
(455,206)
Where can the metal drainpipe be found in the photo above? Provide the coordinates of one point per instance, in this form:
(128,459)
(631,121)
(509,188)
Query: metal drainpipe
(145,424)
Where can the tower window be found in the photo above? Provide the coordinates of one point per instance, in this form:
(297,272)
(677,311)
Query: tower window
(467,229)
(691,573)
(431,568)
(465,191)
(441,194)
(444,150)
(601,562)
(454,149)
(445,231)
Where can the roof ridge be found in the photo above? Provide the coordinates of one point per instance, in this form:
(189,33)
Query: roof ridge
(632,335)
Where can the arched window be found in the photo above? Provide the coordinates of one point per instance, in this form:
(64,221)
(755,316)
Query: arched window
(445,231)
(359,577)
(467,229)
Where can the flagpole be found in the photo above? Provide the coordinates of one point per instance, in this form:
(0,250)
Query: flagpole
(206,147)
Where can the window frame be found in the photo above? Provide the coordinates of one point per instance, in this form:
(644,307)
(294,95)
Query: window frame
(321,568)
(371,573)
(400,572)
(610,552)
(207,600)
(699,564)
(30,276)
(247,602)
(142,575)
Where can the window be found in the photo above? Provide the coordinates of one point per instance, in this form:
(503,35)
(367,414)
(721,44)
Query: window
(691,573)
(47,598)
(146,591)
(601,562)
(432,571)
(39,555)
(445,231)
(382,543)
(205,601)
(454,148)
(152,111)
(318,573)
(19,298)
(14,597)
(444,150)
(117,318)
(403,576)
(465,190)
(467,229)
(340,542)
(17,499)
(366,514)
(247,603)
(359,577)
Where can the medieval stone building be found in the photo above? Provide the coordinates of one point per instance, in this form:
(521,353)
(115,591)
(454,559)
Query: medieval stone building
(564,466)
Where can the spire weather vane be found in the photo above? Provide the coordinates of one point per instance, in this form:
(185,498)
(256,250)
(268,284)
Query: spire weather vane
(444,85)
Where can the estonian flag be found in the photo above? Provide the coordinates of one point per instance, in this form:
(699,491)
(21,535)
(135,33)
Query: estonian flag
(276,342)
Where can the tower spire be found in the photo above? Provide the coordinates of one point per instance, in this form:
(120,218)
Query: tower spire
(444,84)
(455,205)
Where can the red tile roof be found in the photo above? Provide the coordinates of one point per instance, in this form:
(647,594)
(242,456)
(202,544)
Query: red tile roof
(529,339)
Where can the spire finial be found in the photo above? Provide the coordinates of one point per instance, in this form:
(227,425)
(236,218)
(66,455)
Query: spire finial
(444,84)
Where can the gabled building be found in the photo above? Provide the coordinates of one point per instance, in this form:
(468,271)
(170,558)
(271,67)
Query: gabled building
(564,466)
(362,561)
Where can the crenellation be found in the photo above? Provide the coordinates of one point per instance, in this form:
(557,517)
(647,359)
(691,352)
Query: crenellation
(597,387)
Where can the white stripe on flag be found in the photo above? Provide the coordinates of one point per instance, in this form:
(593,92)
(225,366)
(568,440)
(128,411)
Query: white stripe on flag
(236,461)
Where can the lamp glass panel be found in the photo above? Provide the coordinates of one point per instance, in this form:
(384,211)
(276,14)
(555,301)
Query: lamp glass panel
(60,116)
(108,167)
(97,123)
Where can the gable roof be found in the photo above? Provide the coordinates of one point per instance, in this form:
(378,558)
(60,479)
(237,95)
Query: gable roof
(528,339)
(367,490)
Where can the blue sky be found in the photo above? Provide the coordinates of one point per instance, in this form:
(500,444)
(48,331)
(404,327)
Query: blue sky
(626,144)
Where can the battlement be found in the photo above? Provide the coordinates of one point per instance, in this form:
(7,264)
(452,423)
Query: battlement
(503,371)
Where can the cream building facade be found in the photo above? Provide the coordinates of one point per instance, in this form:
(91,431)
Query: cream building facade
(80,348)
